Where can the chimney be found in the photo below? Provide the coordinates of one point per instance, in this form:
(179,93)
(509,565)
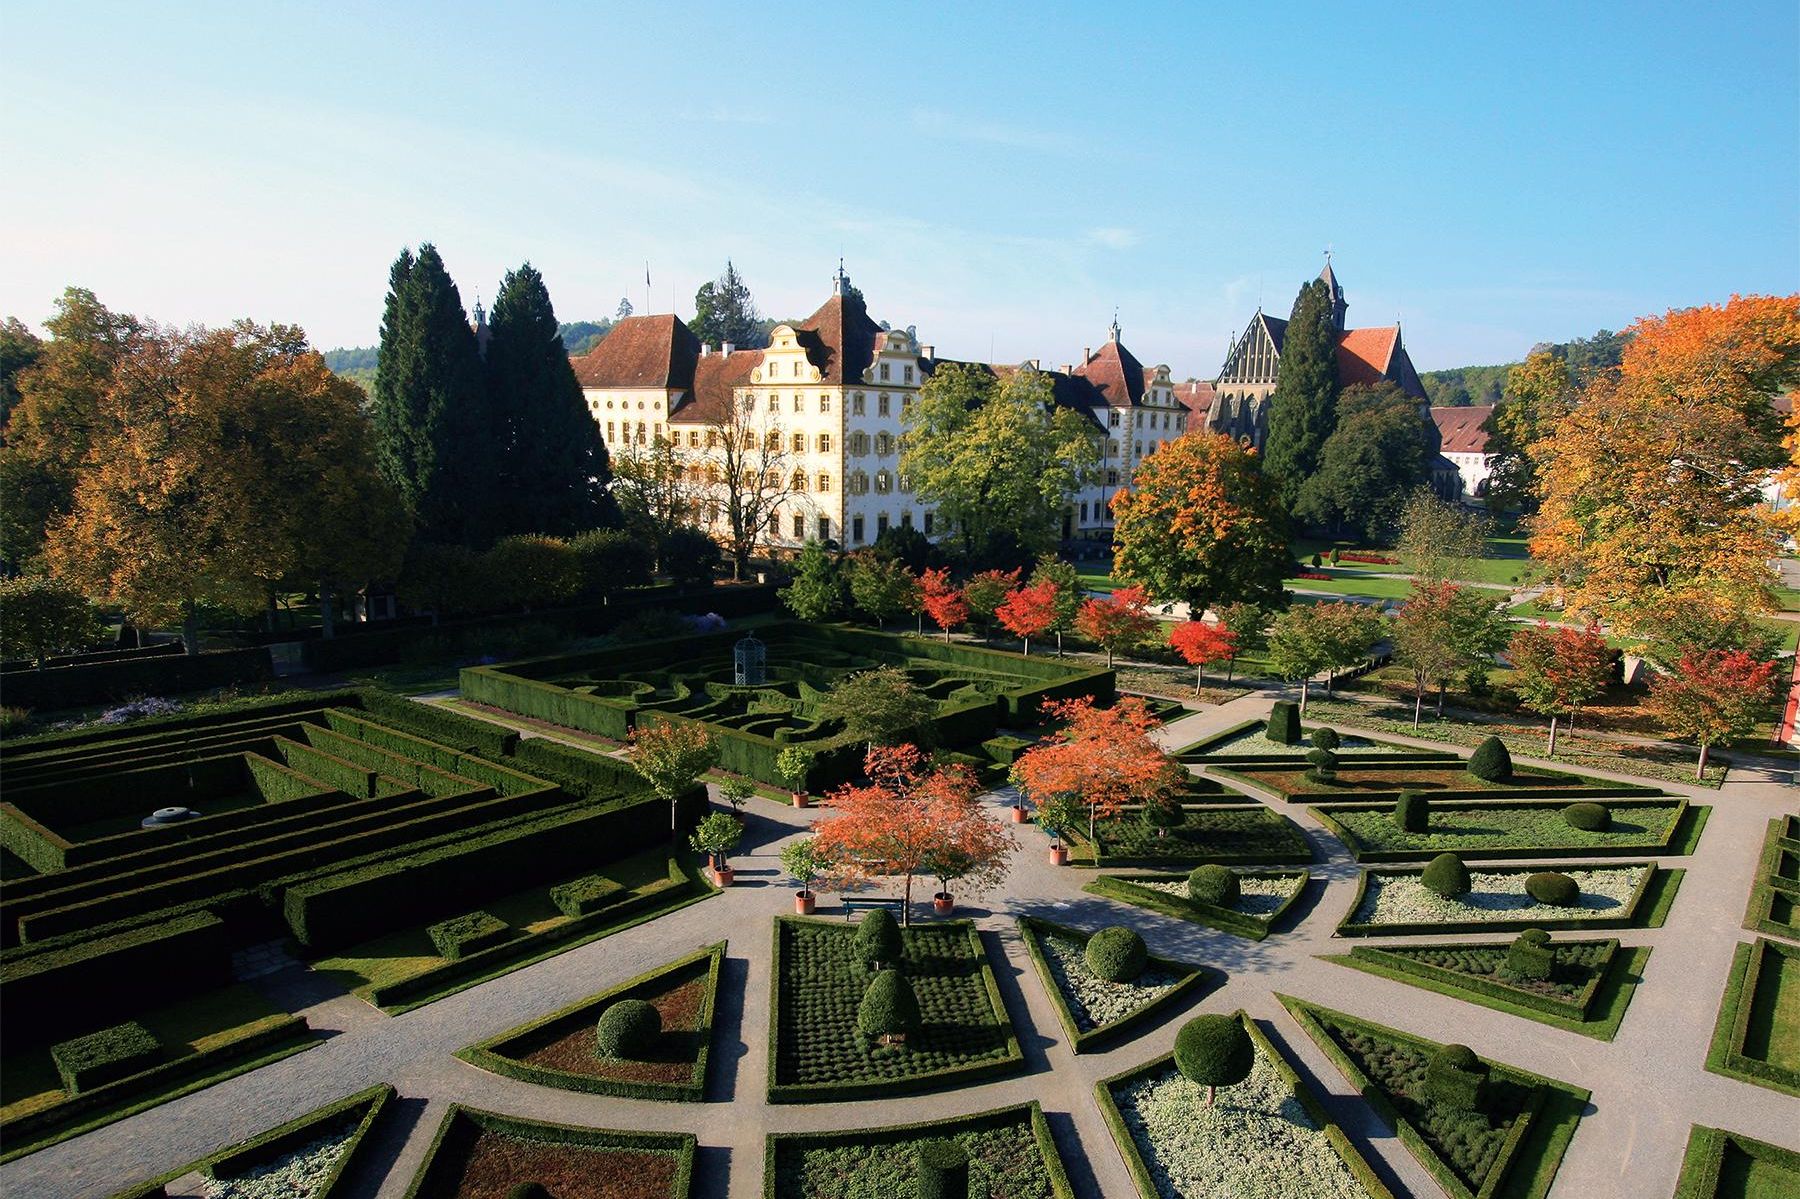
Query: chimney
(705,350)
(1068,368)
(1087,354)
(726,349)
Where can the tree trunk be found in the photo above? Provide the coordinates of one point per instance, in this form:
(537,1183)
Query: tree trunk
(906,908)
(1700,769)
(1330,681)
(1305,686)
(1230,667)
(1442,687)
(1418,702)
(1092,839)
(326,631)
(1199,677)
(1059,643)
(1552,751)
(1028,647)
(674,827)
(1109,659)
(1210,1092)
(190,630)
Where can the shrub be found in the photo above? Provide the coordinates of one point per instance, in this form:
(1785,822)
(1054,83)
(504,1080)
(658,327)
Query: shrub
(1556,890)
(1446,875)
(878,938)
(1165,812)
(1214,1051)
(1588,817)
(1116,954)
(1412,812)
(1455,1078)
(1284,723)
(1325,738)
(943,1170)
(610,559)
(628,1029)
(458,937)
(528,1190)
(1491,762)
(14,720)
(1324,765)
(582,896)
(105,1056)
(1215,885)
(1529,958)
(889,1007)
(1317,561)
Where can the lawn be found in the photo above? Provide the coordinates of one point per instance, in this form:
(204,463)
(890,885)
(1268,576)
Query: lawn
(1243,835)
(1725,1165)
(1757,1037)
(818,1054)
(1525,829)
(1011,1156)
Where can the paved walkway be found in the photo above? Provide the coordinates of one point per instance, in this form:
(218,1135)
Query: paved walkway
(1649,1085)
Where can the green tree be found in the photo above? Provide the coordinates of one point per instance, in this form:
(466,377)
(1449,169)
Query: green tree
(530,570)
(1373,458)
(1248,625)
(1069,592)
(1438,540)
(985,593)
(41,616)
(611,560)
(880,707)
(19,350)
(690,557)
(1347,631)
(725,312)
(435,434)
(1303,408)
(553,468)
(882,587)
(1298,647)
(997,458)
(656,493)
(816,593)
(1539,391)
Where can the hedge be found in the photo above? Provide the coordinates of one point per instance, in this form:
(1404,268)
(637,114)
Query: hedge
(1634,911)
(1774,905)
(154,650)
(59,687)
(586,895)
(1576,1009)
(440,1174)
(1671,842)
(1704,1164)
(58,805)
(97,1058)
(249,709)
(439,724)
(495,1054)
(1753,974)
(1123,888)
(364,1108)
(461,936)
(1031,929)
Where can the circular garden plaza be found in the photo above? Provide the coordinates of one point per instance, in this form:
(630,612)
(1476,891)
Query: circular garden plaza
(828,913)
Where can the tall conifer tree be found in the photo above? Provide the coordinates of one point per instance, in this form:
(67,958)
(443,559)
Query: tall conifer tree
(435,434)
(725,312)
(1303,410)
(553,468)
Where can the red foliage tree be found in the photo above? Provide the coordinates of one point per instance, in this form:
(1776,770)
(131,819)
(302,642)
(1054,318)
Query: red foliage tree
(910,816)
(942,602)
(1201,645)
(1556,672)
(1103,757)
(985,593)
(1713,696)
(1030,612)
(1117,623)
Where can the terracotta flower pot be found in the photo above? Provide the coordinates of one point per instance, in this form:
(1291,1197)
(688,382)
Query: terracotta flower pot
(1020,815)
(804,902)
(802,799)
(943,904)
(1059,855)
(723,875)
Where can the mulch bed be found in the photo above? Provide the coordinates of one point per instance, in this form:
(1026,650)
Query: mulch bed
(676,1050)
(499,1161)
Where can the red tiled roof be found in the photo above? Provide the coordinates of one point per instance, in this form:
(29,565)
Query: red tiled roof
(1197,396)
(1364,354)
(1117,375)
(840,340)
(641,351)
(716,380)
(1459,429)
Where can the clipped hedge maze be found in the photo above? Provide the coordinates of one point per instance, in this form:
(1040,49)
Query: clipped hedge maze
(1775,898)
(609,692)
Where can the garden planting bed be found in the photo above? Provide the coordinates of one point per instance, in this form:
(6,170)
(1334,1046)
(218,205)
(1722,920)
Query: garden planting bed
(1355,780)
(1514,829)
(559,1050)
(1394,901)
(1095,1011)
(1011,1156)
(1775,896)
(482,1155)
(1265,897)
(1512,1144)
(1267,1136)
(1249,743)
(817,1053)
(1757,1037)
(1591,983)
(1250,836)
(1725,1165)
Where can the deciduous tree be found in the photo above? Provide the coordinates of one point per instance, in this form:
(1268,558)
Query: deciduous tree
(657,492)
(1438,540)
(671,755)
(817,592)
(1444,628)
(1539,392)
(1558,671)
(1201,645)
(1117,623)
(1030,612)
(1297,647)
(882,587)
(1347,631)
(1066,580)
(943,602)
(985,593)
(1105,758)
(41,616)
(1719,695)
(749,476)
(1248,625)
(879,707)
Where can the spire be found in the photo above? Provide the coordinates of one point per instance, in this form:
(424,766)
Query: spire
(481,327)
(840,283)
(1115,325)
(1339,305)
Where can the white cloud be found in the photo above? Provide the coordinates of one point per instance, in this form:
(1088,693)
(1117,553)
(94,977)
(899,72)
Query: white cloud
(932,122)
(1114,237)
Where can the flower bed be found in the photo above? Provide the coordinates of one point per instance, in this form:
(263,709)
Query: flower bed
(483,1155)
(1757,1037)
(1721,1165)
(1264,897)
(1527,828)
(1092,1009)
(1011,1156)
(1266,1136)
(1396,901)
(1252,835)
(816,1052)
(1515,1140)
(559,1050)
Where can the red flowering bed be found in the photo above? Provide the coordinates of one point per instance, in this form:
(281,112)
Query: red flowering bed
(1369,559)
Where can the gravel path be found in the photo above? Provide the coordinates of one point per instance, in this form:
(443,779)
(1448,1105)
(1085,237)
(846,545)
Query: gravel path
(1649,1085)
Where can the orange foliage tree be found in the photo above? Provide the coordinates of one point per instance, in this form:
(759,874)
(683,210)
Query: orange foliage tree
(1105,758)
(1031,611)
(910,817)
(1201,645)
(985,593)
(1713,696)
(1556,672)
(942,602)
(1119,622)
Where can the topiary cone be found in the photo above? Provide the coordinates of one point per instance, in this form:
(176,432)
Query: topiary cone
(943,1170)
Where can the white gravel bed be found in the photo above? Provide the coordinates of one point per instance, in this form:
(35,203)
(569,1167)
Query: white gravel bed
(1256,896)
(1256,741)
(1092,999)
(299,1175)
(1494,895)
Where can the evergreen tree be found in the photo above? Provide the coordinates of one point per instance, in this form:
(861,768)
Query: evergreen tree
(554,470)
(1369,464)
(817,592)
(1303,410)
(435,439)
(725,312)
(625,309)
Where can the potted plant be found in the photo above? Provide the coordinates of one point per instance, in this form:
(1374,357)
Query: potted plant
(717,835)
(1019,814)
(736,792)
(804,861)
(947,865)
(1056,814)
(793,764)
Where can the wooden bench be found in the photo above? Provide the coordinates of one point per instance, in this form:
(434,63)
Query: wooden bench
(851,904)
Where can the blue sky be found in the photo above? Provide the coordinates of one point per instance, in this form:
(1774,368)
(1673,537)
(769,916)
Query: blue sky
(1000,176)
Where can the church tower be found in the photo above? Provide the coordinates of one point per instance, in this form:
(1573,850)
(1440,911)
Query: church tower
(1339,305)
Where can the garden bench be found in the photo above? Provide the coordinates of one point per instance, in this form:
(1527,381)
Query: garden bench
(896,906)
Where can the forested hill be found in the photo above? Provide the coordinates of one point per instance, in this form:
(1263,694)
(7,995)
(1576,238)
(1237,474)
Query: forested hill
(1484,384)
(357,363)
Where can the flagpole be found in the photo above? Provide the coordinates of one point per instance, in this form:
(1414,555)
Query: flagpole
(646,288)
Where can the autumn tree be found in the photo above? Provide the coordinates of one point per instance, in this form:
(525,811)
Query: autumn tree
(1558,671)
(1787,479)
(1539,392)
(1117,623)
(41,616)
(816,592)
(1200,523)
(1105,758)
(1438,540)
(1201,645)
(1720,695)
(1442,629)
(883,588)
(671,755)
(1030,612)
(1303,408)
(943,602)
(881,706)
(1069,592)
(1248,625)
(1376,454)
(985,593)
(1346,632)
(20,350)
(997,457)
(910,815)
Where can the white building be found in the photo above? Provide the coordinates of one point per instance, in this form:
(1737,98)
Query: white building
(1463,438)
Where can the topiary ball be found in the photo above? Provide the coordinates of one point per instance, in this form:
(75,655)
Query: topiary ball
(1491,762)
(1116,954)
(888,1006)
(1412,812)
(1588,817)
(878,937)
(628,1029)
(1284,723)
(1215,885)
(1214,1051)
(528,1190)
(1325,738)
(1446,875)
(1534,936)
(1324,765)
(943,1170)
(1455,1077)
(1556,890)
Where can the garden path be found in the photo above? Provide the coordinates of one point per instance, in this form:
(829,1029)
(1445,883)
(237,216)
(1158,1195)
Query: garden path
(1649,1085)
